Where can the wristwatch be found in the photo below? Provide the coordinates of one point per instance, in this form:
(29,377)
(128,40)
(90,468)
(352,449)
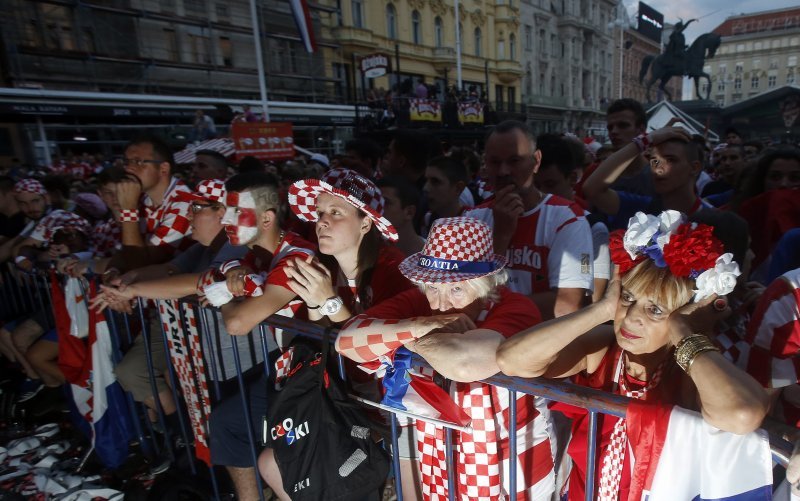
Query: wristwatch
(331,306)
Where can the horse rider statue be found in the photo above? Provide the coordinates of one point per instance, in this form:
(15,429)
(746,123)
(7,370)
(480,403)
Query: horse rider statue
(676,47)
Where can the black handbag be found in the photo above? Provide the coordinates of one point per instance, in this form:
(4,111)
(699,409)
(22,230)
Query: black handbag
(321,439)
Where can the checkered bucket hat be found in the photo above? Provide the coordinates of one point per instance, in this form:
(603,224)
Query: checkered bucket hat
(457,249)
(208,190)
(344,183)
(30,185)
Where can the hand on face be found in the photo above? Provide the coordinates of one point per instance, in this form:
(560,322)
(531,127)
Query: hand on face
(698,318)
(507,209)
(129,190)
(310,280)
(669,134)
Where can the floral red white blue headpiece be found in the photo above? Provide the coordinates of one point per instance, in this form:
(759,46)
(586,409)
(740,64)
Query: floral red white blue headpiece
(689,250)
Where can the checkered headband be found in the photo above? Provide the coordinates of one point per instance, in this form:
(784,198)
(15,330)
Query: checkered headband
(30,185)
(346,184)
(457,249)
(208,190)
(65,221)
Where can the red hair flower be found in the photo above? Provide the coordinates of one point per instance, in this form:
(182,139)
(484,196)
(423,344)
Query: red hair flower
(691,251)
(619,255)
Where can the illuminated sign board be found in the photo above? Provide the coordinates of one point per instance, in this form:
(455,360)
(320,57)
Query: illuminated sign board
(651,22)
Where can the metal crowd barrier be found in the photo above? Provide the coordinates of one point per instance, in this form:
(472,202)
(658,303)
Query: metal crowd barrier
(595,402)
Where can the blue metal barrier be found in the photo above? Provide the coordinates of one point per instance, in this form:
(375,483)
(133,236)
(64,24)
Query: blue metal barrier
(596,402)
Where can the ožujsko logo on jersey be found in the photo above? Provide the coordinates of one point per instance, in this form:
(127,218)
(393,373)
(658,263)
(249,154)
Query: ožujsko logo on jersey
(287,428)
(525,256)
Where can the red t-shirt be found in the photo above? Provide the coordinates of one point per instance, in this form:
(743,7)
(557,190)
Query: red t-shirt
(386,281)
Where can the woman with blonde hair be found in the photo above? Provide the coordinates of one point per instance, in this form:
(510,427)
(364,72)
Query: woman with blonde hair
(645,340)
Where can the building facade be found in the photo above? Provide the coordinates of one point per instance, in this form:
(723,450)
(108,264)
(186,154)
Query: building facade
(567,59)
(419,38)
(759,52)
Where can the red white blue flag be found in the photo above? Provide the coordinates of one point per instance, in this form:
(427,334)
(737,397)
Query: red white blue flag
(302,17)
(86,362)
(677,455)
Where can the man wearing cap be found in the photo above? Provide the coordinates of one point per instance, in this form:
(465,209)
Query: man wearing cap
(546,238)
(455,320)
(183,276)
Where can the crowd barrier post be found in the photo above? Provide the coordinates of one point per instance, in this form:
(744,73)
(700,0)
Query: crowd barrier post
(151,373)
(451,474)
(512,445)
(248,419)
(204,333)
(398,486)
(263,332)
(173,384)
(591,454)
(111,318)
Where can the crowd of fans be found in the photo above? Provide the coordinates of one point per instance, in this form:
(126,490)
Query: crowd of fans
(638,268)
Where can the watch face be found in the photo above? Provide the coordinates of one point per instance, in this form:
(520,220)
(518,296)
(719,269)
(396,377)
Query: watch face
(332,306)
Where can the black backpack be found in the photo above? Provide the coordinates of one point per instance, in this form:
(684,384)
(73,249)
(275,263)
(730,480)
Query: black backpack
(321,439)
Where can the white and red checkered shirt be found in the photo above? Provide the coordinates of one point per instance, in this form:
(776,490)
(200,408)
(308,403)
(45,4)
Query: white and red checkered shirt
(168,224)
(106,237)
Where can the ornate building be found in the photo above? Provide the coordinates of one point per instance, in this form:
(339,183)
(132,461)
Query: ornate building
(567,59)
(419,37)
(759,52)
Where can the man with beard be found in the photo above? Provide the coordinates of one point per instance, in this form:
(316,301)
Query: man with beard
(31,197)
(546,238)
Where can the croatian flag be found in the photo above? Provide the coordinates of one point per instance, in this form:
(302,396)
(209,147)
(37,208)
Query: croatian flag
(413,390)
(680,456)
(87,365)
(302,17)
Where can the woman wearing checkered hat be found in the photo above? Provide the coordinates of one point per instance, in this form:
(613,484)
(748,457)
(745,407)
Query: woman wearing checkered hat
(455,319)
(355,269)
(645,340)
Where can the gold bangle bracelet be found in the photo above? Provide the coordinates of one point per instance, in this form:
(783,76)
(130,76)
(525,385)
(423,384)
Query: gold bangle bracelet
(691,346)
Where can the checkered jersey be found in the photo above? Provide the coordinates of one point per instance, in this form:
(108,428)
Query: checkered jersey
(551,248)
(774,333)
(106,238)
(168,224)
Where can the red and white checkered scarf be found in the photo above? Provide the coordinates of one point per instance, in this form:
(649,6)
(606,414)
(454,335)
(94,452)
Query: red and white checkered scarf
(614,456)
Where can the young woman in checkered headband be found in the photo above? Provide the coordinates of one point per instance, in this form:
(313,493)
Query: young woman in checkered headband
(455,319)
(645,339)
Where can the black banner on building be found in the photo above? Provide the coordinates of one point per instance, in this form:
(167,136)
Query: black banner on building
(651,22)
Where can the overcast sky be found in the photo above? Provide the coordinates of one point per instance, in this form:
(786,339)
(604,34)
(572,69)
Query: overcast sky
(709,15)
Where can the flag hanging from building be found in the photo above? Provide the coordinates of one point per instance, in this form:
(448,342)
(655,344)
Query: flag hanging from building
(88,368)
(680,456)
(302,17)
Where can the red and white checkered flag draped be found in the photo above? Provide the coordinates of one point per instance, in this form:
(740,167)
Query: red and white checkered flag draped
(187,359)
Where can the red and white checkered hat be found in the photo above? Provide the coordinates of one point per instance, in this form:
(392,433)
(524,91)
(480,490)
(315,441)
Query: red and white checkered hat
(457,249)
(208,190)
(347,184)
(30,185)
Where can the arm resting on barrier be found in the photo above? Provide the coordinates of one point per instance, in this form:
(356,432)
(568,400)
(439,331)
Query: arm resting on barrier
(363,339)
(560,347)
(464,357)
(242,316)
(174,287)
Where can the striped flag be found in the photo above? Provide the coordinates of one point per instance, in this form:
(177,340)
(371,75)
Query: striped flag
(680,456)
(302,17)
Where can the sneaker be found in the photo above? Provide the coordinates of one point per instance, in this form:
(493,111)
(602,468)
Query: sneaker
(29,389)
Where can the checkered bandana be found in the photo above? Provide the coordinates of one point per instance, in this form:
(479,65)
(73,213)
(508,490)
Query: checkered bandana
(63,220)
(208,190)
(356,190)
(30,186)
(457,249)
(614,458)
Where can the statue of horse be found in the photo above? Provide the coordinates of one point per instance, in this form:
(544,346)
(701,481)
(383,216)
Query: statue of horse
(665,66)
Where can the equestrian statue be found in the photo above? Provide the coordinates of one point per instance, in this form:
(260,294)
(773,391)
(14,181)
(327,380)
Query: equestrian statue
(677,60)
